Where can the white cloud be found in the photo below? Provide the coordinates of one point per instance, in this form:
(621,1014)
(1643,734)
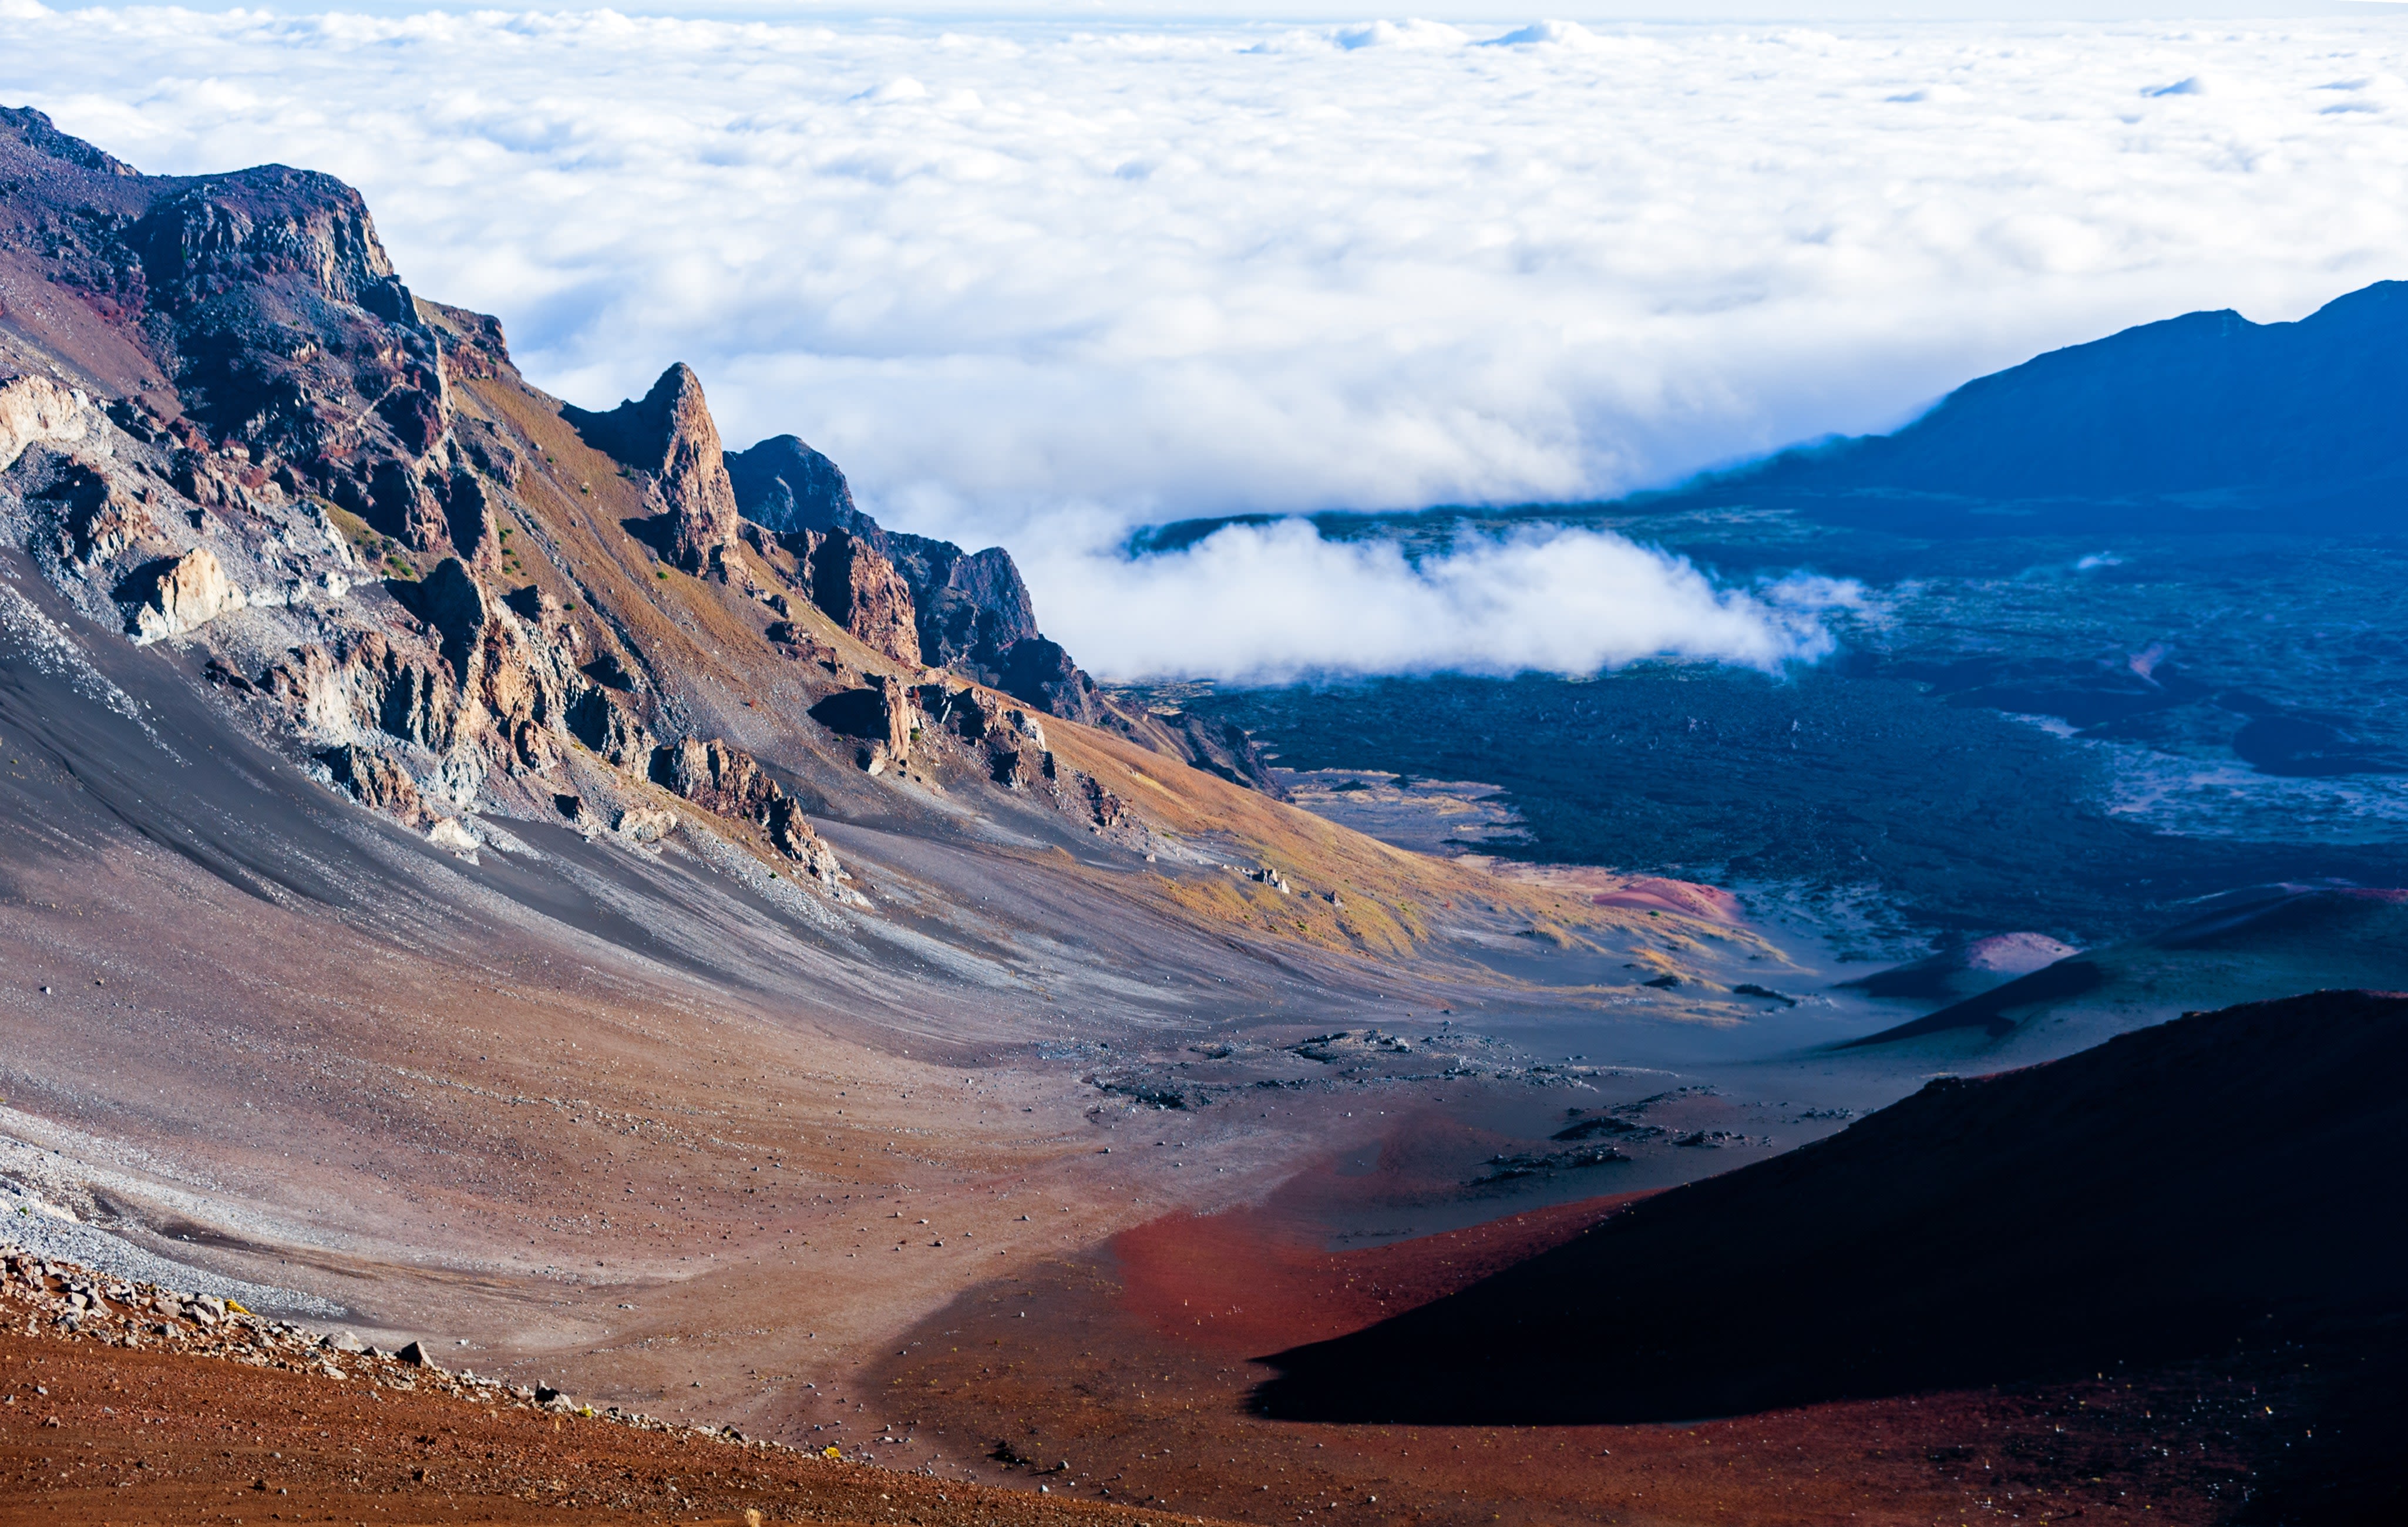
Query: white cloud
(1276,602)
(1156,270)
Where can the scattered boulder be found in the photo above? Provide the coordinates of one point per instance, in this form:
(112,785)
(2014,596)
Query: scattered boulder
(1546,1163)
(1105,809)
(37,410)
(449,834)
(183,595)
(644,823)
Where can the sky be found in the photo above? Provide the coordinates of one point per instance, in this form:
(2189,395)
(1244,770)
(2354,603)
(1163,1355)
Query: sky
(1038,277)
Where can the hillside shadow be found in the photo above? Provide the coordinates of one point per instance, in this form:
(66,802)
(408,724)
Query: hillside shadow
(2215,1180)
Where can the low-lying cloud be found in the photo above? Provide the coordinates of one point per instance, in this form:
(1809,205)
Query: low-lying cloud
(1268,604)
(1034,285)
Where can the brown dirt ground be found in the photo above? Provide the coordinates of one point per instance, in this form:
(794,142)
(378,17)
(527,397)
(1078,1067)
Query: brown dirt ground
(159,1437)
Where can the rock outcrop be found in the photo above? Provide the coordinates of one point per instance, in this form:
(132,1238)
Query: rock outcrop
(36,409)
(377,779)
(847,578)
(1011,740)
(669,434)
(288,335)
(967,611)
(973,609)
(224,419)
(883,714)
(858,589)
(729,782)
(783,485)
(914,598)
(185,595)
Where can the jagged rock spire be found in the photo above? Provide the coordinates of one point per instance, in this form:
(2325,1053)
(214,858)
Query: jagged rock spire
(668,432)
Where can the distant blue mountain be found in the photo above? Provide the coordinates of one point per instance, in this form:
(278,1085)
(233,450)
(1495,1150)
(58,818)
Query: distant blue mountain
(2202,423)
(2207,421)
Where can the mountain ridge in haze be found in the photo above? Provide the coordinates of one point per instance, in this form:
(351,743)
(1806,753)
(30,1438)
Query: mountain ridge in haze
(2205,420)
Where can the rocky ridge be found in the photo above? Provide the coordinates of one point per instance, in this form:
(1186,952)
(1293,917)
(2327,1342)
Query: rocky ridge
(226,426)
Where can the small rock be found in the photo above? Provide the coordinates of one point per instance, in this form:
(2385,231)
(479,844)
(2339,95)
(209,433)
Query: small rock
(644,823)
(449,834)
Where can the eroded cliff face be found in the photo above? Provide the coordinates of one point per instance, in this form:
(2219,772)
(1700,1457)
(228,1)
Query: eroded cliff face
(229,430)
(922,600)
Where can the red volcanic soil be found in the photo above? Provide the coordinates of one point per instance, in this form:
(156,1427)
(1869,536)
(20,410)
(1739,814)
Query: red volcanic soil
(1134,1374)
(90,1434)
(1251,1280)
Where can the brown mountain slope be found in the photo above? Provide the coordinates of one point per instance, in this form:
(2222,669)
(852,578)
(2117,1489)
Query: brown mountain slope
(232,429)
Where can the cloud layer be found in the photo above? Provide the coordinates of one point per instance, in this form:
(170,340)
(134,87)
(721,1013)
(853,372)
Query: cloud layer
(1034,285)
(1274,602)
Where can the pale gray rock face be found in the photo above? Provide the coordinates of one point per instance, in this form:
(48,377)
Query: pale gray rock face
(189,592)
(449,833)
(644,823)
(36,409)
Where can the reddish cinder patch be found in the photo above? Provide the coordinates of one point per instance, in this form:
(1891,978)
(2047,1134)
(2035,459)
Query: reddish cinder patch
(1257,1279)
(1078,1375)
